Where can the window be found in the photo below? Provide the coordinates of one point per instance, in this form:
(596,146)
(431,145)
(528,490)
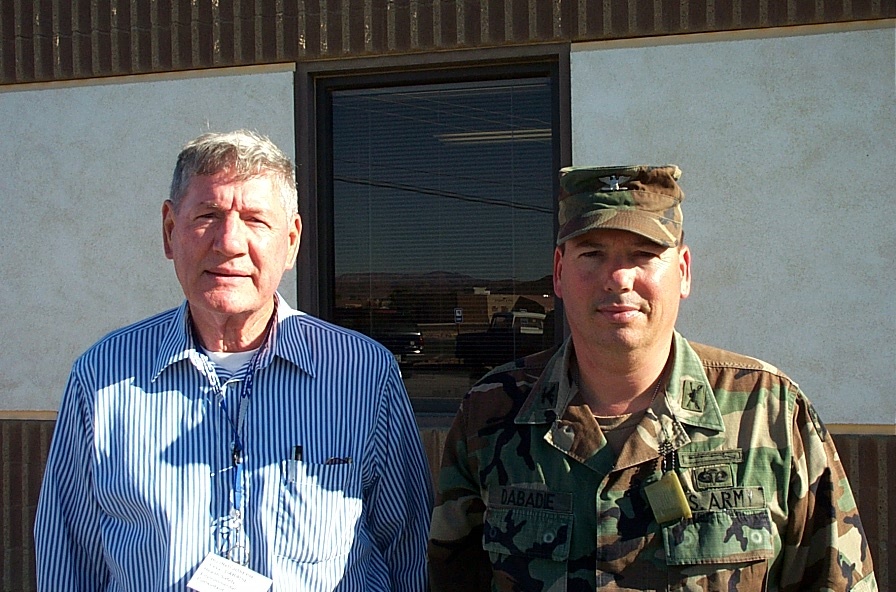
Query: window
(438,226)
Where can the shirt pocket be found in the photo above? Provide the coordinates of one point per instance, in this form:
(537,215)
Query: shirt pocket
(319,510)
(720,550)
(527,545)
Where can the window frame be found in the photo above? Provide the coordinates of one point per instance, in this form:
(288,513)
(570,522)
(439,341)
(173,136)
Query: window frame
(314,83)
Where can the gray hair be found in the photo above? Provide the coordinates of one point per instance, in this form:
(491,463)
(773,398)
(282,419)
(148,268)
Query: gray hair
(243,153)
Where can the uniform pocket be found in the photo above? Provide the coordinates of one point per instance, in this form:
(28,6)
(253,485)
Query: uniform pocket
(528,546)
(717,550)
(320,506)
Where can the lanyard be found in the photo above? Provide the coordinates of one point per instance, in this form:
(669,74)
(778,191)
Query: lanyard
(231,545)
(236,445)
(234,549)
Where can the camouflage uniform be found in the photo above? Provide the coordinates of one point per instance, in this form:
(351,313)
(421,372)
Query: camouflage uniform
(532,498)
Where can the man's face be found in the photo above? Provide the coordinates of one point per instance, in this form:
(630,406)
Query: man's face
(620,291)
(230,241)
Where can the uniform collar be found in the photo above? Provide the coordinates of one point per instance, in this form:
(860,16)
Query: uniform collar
(552,391)
(688,399)
(688,394)
(179,344)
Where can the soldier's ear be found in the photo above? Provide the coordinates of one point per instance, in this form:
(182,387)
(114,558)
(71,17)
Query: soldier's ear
(684,267)
(558,271)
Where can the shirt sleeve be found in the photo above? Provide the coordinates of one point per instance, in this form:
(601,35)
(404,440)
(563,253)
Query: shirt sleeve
(825,547)
(66,532)
(457,560)
(399,502)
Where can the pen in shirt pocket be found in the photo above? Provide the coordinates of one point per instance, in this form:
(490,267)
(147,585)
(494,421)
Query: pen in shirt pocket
(292,464)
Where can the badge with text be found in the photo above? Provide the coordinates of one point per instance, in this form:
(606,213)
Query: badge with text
(217,574)
(529,498)
(667,499)
(731,498)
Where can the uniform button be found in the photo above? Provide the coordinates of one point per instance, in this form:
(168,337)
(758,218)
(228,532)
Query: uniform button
(548,537)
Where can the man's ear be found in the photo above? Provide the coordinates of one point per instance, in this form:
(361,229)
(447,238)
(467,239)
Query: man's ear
(295,239)
(167,227)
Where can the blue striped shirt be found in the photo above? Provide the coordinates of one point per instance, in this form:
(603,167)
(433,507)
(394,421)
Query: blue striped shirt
(139,481)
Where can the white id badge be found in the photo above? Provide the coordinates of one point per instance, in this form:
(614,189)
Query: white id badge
(217,574)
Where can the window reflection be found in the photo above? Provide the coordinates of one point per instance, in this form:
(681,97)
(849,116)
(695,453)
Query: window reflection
(443,224)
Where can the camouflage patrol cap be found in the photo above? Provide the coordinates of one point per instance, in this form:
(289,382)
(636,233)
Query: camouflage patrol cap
(642,199)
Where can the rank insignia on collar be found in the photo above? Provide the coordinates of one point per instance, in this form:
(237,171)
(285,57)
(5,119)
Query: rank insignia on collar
(693,397)
(613,182)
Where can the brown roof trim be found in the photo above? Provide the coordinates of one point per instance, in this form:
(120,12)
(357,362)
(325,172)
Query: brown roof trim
(56,40)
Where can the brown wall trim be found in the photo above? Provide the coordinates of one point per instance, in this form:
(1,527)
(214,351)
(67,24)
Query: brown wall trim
(869,461)
(77,39)
(741,35)
(27,415)
(861,429)
(443,421)
(155,77)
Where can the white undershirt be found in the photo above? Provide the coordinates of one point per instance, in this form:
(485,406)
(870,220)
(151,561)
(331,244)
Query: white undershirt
(231,361)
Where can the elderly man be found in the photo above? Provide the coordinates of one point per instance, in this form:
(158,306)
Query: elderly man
(631,459)
(233,442)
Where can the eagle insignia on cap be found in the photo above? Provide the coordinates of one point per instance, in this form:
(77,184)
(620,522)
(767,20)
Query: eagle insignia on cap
(613,182)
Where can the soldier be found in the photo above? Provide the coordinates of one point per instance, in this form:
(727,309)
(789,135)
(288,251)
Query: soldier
(630,458)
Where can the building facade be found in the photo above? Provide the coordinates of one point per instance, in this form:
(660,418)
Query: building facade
(427,135)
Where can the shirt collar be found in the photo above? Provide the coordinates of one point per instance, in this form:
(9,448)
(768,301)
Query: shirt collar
(179,344)
(689,398)
(552,392)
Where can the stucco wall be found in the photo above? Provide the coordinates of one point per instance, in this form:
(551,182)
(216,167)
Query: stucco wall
(786,142)
(83,173)
(788,147)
